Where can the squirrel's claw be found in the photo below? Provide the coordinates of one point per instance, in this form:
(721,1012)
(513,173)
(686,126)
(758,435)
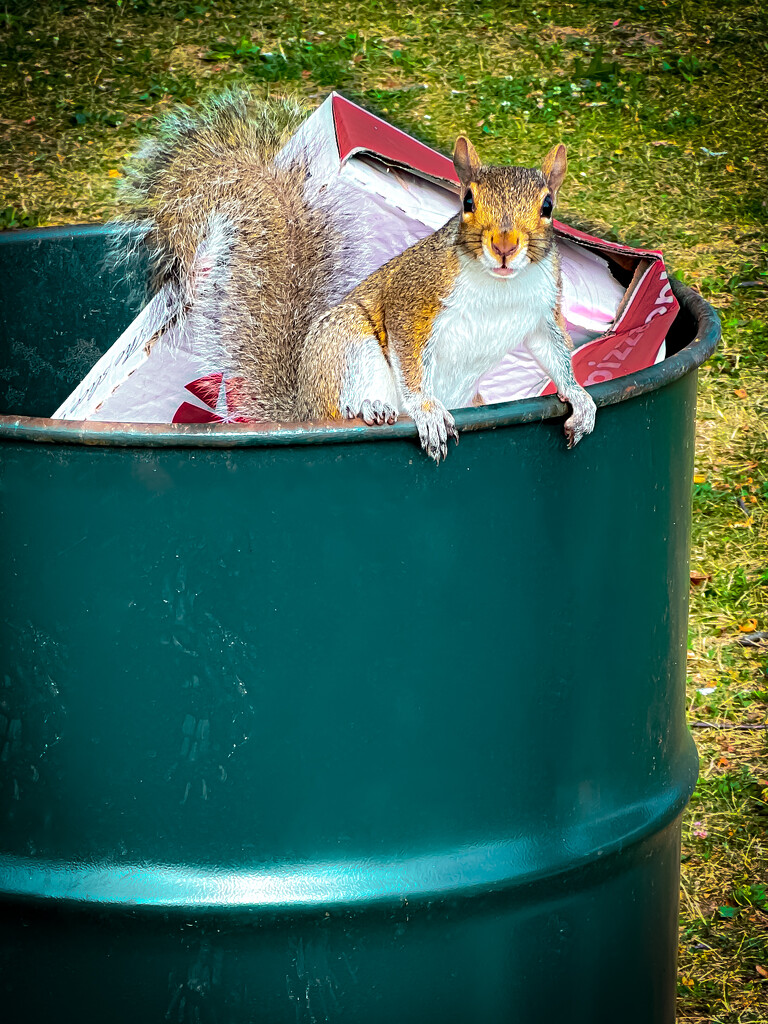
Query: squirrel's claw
(435,425)
(374,413)
(377,413)
(582,420)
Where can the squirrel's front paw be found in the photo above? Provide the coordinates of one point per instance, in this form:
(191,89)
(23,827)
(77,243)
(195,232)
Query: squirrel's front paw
(435,425)
(582,420)
(374,413)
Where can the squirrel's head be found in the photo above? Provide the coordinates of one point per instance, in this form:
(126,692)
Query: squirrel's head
(506,220)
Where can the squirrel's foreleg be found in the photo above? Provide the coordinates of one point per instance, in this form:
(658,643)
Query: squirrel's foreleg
(550,347)
(434,423)
(413,371)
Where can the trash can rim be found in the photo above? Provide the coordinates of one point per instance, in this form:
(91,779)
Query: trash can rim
(229,435)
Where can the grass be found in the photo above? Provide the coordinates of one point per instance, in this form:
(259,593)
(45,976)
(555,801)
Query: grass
(663,107)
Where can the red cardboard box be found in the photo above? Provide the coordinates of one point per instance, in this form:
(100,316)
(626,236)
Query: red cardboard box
(616,300)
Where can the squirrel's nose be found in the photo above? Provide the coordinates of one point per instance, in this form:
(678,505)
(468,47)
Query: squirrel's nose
(505,245)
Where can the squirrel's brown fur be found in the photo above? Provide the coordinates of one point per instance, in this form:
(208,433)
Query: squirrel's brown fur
(261,259)
(418,333)
(252,259)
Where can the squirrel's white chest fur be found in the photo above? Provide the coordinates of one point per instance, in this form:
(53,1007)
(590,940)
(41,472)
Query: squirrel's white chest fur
(482,318)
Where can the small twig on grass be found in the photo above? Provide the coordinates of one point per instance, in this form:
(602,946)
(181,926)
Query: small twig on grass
(752,639)
(728,725)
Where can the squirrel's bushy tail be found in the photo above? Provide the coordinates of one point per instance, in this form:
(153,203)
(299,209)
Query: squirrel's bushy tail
(252,259)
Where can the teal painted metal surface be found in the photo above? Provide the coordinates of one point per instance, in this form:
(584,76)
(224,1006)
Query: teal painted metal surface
(297,726)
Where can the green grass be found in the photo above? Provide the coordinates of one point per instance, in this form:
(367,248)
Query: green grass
(663,108)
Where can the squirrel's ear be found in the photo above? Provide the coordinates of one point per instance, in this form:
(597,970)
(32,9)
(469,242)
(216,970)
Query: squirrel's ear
(554,166)
(465,160)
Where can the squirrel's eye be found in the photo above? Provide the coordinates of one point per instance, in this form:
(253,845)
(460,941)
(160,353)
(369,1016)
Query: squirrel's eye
(546,207)
(469,201)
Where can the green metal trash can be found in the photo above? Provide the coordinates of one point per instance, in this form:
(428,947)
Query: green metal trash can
(296,726)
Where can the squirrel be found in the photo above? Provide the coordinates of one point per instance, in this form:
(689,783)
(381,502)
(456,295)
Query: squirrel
(261,257)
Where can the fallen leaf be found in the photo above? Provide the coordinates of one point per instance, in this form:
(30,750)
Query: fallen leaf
(114,174)
(700,478)
(749,626)
(740,392)
(761,970)
(697,577)
(730,168)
